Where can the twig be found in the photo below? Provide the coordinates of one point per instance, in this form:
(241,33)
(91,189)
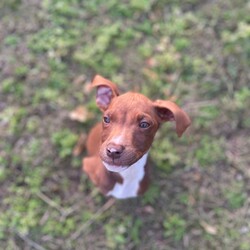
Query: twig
(105,207)
(64,212)
(51,203)
(29,241)
(201,104)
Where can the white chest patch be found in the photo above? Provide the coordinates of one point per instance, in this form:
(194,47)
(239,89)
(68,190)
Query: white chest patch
(132,176)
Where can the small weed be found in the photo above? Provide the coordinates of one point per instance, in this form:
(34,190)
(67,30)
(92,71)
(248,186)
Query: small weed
(174,226)
(10,86)
(181,43)
(65,141)
(207,115)
(187,199)
(122,10)
(35,178)
(3,169)
(209,151)
(241,97)
(244,245)
(57,41)
(46,94)
(12,4)
(21,71)
(210,89)
(142,5)
(23,214)
(135,231)
(240,35)
(111,63)
(57,81)
(145,49)
(67,9)
(62,228)
(145,27)
(115,234)
(236,199)
(118,233)
(33,124)
(168,61)
(76,162)
(92,6)
(34,147)
(13,117)
(12,40)
(151,195)
(164,155)
(102,42)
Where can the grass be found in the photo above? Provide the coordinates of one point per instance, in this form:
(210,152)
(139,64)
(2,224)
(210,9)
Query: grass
(194,52)
(175,227)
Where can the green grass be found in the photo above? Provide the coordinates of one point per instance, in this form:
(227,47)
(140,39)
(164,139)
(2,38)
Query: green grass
(174,226)
(193,52)
(65,141)
(120,232)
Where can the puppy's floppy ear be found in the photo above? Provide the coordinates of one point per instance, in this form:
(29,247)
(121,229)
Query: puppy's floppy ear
(169,111)
(106,91)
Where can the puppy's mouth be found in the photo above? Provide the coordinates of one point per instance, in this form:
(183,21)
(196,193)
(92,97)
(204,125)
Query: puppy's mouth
(118,164)
(114,168)
(141,161)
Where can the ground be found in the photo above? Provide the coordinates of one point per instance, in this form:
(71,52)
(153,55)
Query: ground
(193,52)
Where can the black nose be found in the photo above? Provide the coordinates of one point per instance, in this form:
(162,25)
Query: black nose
(114,151)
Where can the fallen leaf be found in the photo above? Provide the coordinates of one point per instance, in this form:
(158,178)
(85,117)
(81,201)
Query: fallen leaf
(80,114)
(87,88)
(150,74)
(151,62)
(80,79)
(80,145)
(191,200)
(149,210)
(208,228)
(197,176)
(172,77)
(173,98)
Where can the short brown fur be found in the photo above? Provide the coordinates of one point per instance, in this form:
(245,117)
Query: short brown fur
(125,117)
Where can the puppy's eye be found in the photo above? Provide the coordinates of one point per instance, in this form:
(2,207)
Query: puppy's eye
(106,119)
(144,125)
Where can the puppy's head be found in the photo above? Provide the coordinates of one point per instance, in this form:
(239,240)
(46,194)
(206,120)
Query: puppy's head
(130,122)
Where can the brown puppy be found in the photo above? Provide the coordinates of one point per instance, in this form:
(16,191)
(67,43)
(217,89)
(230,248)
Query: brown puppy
(118,147)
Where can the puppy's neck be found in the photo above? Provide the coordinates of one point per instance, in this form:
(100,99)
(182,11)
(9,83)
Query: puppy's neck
(132,177)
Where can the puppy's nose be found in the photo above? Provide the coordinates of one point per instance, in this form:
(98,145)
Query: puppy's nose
(114,151)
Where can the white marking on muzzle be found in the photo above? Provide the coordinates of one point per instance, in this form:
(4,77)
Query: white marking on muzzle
(119,140)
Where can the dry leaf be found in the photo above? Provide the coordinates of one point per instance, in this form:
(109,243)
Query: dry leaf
(197,177)
(149,210)
(80,79)
(87,88)
(151,62)
(191,200)
(80,145)
(150,74)
(172,77)
(80,114)
(208,228)
(173,98)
